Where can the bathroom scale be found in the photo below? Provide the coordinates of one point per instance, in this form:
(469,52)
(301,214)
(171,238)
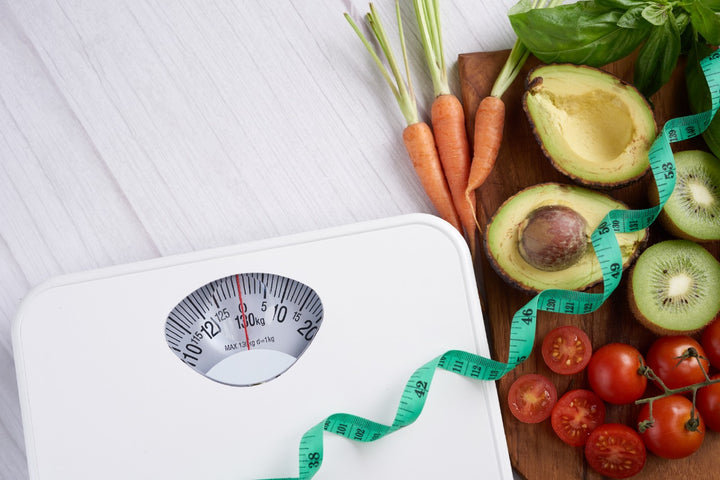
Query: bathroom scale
(213,364)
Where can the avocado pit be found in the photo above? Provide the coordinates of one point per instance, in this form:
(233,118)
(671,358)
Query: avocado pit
(552,237)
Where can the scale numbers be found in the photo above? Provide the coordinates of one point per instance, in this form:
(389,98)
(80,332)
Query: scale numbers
(244,329)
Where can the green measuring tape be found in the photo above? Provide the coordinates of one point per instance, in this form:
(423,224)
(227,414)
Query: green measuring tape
(522,331)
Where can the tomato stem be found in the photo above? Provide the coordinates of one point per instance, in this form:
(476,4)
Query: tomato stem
(693,422)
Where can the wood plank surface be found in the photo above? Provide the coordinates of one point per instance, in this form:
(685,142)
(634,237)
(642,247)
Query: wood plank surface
(137,129)
(535,451)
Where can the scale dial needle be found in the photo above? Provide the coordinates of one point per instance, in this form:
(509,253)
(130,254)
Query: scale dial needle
(242,312)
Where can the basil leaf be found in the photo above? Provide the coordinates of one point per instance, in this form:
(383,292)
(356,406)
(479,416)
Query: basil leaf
(712,4)
(699,94)
(581,33)
(682,19)
(688,37)
(623,4)
(658,57)
(656,14)
(705,21)
(633,18)
(521,7)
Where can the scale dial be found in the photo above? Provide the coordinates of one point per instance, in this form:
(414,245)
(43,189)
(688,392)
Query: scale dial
(244,329)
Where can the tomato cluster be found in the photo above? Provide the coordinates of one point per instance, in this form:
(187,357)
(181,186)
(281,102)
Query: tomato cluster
(618,374)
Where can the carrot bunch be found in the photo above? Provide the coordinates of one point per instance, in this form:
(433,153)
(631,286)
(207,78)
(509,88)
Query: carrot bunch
(449,172)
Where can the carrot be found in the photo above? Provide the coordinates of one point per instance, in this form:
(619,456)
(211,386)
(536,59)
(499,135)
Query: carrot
(420,144)
(417,135)
(447,117)
(490,120)
(488,134)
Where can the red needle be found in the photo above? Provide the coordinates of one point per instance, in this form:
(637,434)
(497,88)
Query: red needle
(242,312)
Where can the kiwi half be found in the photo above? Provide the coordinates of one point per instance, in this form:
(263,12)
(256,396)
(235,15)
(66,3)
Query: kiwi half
(673,287)
(693,210)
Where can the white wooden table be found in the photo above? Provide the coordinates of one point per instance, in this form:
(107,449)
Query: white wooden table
(137,129)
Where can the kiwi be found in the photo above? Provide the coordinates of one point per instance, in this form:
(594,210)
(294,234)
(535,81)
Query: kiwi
(673,287)
(693,210)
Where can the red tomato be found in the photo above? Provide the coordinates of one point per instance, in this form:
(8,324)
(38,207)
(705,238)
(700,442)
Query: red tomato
(531,398)
(613,373)
(576,415)
(615,450)
(710,341)
(664,359)
(669,436)
(566,350)
(708,404)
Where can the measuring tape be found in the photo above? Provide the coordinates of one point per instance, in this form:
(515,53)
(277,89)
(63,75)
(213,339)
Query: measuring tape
(522,331)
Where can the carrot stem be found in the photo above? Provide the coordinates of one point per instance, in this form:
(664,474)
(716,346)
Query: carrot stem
(427,13)
(403,93)
(417,136)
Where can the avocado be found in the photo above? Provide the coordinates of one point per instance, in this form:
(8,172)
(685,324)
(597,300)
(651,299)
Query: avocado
(547,266)
(593,127)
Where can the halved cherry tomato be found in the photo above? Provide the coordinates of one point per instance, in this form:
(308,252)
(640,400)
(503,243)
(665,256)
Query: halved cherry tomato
(708,404)
(710,341)
(615,450)
(532,397)
(566,350)
(664,357)
(670,435)
(575,415)
(613,373)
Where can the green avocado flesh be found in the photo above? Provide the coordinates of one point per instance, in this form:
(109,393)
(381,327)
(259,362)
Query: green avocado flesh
(673,287)
(502,237)
(693,210)
(591,125)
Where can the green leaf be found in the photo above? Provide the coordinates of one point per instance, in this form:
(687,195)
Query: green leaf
(699,94)
(656,14)
(521,7)
(712,4)
(658,57)
(705,21)
(581,33)
(633,18)
(682,20)
(623,4)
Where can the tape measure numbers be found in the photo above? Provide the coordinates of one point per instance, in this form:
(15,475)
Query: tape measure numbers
(522,331)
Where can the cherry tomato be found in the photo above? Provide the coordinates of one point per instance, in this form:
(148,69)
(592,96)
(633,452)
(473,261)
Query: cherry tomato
(613,373)
(615,450)
(708,404)
(566,350)
(670,437)
(575,415)
(710,341)
(532,397)
(664,359)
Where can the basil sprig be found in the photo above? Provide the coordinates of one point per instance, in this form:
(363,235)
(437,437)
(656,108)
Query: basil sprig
(598,32)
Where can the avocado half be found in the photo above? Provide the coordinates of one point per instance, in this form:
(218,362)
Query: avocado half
(502,238)
(592,126)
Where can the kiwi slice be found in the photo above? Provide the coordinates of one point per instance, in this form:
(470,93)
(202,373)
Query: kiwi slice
(693,210)
(673,287)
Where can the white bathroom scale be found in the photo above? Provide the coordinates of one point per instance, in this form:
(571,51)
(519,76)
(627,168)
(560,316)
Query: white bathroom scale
(213,364)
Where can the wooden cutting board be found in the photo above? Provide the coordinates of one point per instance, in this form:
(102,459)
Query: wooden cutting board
(535,451)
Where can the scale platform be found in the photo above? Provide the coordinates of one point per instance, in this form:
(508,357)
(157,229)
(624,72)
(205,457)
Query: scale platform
(110,388)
